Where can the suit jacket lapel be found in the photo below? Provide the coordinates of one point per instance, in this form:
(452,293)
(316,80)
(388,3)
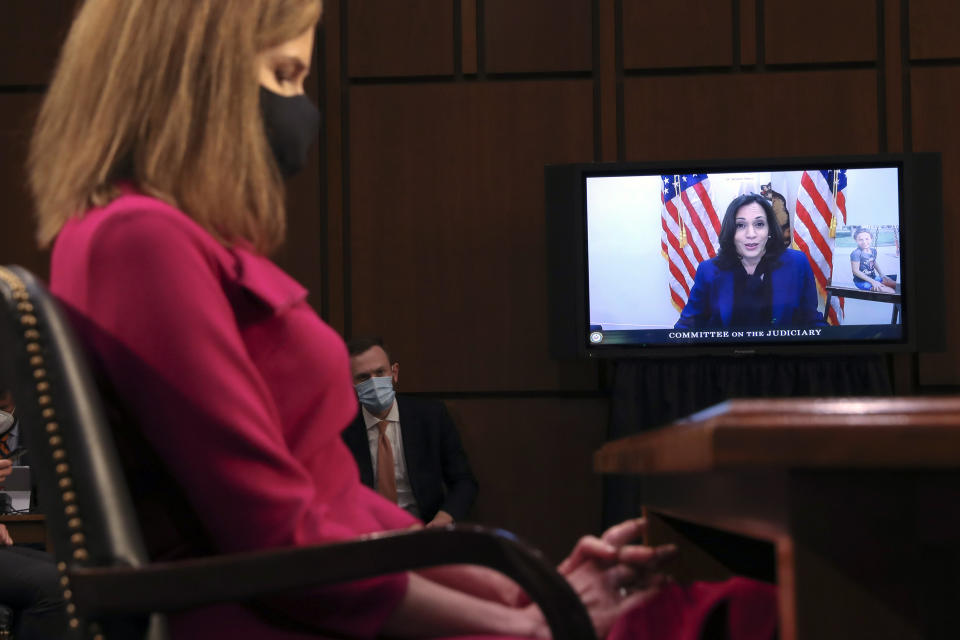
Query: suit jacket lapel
(785,294)
(725,296)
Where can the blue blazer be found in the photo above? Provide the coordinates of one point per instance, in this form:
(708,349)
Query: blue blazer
(794,295)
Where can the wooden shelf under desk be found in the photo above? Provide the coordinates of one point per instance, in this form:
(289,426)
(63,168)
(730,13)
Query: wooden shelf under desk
(860,499)
(873,296)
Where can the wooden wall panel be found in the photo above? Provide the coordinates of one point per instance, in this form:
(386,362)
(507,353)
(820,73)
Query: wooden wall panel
(447,226)
(31,33)
(934,97)
(302,255)
(533,461)
(17,244)
(390,38)
(893,76)
(683,33)
(748,32)
(933,29)
(469,52)
(537,35)
(606,78)
(776,114)
(820,31)
(333,142)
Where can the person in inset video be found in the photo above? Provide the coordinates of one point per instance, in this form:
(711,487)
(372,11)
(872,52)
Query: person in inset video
(867,274)
(755,281)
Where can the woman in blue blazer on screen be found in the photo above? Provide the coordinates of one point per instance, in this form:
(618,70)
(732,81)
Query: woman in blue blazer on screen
(755,281)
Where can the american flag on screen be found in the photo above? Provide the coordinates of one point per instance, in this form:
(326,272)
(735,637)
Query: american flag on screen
(821,206)
(690,229)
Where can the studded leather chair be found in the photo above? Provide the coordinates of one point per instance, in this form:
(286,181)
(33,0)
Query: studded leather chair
(112,588)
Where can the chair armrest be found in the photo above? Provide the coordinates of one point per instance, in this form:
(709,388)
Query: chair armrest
(158,586)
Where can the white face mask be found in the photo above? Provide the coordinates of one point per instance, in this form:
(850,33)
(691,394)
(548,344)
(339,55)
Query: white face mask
(6,422)
(376,394)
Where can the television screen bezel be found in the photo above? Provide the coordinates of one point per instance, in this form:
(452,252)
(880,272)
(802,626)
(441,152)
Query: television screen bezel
(566,202)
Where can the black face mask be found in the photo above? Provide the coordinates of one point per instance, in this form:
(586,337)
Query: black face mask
(292,124)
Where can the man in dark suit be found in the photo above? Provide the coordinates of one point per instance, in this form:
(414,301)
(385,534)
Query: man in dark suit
(28,577)
(413,437)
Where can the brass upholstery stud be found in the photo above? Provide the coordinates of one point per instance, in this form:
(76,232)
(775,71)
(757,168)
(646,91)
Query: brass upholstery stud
(34,350)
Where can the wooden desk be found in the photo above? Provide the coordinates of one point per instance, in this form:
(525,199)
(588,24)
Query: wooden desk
(27,529)
(860,294)
(859,498)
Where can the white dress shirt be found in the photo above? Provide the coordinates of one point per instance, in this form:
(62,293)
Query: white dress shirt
(394,435)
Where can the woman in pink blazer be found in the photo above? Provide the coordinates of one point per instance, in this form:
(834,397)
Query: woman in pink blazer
(157,167)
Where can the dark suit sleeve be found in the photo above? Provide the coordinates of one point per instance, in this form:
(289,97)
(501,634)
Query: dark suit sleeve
(457,477)
(696,311)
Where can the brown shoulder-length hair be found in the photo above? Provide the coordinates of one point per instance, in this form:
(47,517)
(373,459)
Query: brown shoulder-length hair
(165,95)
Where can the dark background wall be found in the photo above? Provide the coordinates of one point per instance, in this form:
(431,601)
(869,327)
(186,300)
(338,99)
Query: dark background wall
(421,215)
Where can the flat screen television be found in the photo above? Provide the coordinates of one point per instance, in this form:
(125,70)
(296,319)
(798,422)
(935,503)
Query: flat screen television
(737,257)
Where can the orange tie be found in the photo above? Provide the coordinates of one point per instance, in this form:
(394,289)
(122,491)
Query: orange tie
(386,478)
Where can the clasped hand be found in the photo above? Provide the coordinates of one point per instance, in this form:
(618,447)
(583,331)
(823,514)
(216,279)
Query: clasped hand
(611,575)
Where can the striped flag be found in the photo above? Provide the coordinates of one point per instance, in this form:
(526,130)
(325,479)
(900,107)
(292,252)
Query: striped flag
(690,230)
(821,206)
